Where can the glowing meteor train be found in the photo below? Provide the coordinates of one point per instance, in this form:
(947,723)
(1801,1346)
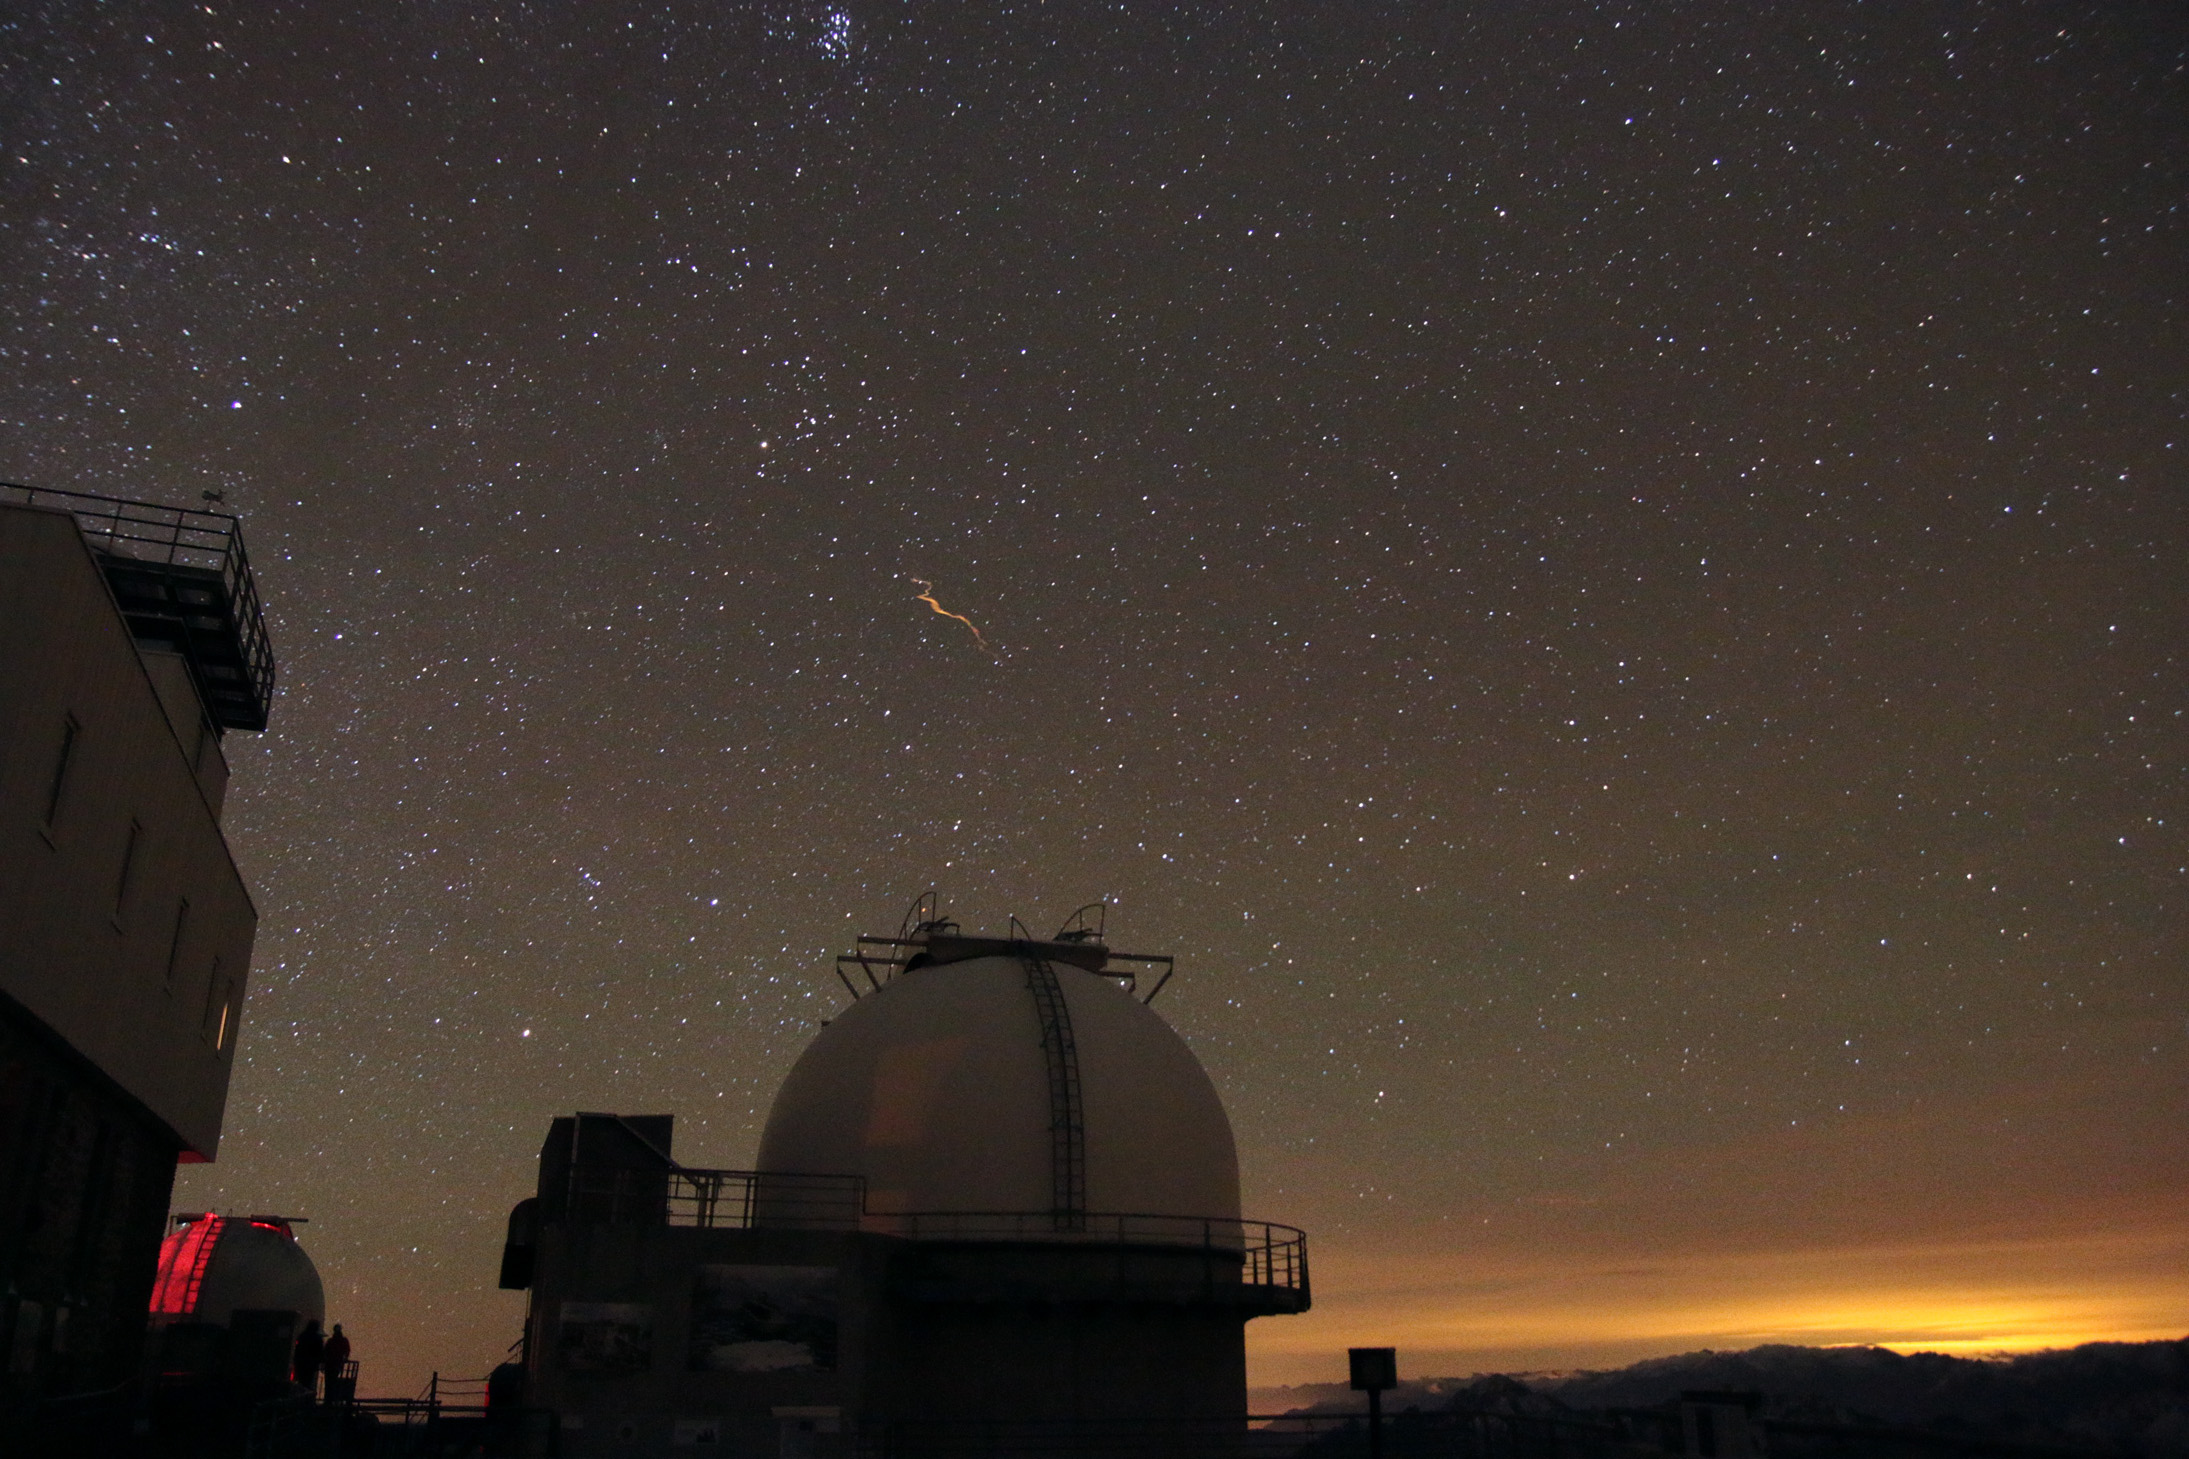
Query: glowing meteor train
(927,596)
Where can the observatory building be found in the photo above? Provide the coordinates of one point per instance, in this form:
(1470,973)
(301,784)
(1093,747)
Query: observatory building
(131,642)
(996,1195)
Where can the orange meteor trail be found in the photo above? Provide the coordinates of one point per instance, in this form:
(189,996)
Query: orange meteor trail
(927,596)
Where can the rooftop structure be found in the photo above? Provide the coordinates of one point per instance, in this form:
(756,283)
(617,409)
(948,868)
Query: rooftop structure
(182,581)
(996,1189)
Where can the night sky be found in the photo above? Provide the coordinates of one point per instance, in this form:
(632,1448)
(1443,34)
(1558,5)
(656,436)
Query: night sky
(1609,578)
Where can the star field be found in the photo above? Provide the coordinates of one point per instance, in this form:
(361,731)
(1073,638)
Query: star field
(1608,577)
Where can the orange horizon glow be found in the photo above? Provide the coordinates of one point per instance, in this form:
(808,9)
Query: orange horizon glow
(1454,1315)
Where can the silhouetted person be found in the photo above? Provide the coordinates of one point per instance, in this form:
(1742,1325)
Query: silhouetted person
(332,1357)
(311,1347)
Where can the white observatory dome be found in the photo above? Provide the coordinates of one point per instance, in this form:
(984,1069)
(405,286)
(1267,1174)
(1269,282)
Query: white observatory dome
(938,1089)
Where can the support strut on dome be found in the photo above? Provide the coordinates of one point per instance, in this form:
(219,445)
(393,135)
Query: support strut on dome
(922,923)
(924,918)
(1083,927)
(1067,1127)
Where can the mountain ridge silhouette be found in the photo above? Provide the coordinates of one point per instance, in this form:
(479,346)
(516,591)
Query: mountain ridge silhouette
(2125,1398)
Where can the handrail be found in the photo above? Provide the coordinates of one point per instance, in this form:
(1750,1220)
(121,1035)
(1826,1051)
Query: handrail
(1269,1253)
(716,1198)
(146,531)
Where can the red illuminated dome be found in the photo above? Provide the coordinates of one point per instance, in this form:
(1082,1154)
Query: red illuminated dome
(212,1267)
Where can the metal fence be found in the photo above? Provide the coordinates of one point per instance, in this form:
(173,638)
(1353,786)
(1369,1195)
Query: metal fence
(450,1416)
(143,531)
(1437,1435)
(1273,1254)
(714,1199)
(1270,1255)
(739,1198)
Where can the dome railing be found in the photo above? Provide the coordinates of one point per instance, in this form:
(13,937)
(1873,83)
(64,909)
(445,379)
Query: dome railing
(1269,1254)
(988,1257)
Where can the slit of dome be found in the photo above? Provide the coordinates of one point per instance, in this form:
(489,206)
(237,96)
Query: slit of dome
(1067,1130)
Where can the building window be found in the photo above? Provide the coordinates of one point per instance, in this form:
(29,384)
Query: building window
(70,730)
(128,871)
(174,941)
(212,998)
(220,1008)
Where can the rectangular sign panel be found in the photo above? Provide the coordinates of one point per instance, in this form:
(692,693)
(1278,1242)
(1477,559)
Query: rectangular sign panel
(764,1319)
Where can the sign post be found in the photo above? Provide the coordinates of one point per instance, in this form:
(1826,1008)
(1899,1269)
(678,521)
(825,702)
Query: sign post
(1372,1371)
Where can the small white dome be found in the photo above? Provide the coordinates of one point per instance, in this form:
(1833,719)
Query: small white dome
(937,1090)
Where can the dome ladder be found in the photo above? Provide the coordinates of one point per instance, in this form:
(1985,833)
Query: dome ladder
(1067,1128)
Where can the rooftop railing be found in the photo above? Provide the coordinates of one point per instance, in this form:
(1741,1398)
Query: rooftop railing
(720,1199)
(1268,1255)
(739,1198)
(145,531)
(168,566)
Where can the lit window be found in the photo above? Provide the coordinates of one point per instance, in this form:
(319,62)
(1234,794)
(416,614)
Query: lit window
(215,996)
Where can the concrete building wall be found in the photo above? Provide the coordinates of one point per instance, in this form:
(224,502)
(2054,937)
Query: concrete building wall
(85,1176)
(620,1349)
(125,928)
(200,741)
(1111,1364)
(125,941)
(645,1368)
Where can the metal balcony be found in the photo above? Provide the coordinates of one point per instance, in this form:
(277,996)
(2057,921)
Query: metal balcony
(182,581)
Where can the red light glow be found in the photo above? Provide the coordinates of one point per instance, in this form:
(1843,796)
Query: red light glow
(183,1257)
